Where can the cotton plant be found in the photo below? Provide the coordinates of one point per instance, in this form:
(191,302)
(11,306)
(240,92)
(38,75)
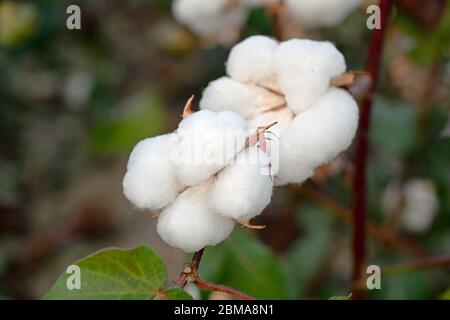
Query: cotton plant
(290,83)
(202,179)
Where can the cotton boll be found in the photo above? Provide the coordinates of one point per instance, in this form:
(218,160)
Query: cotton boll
(317,135)
(305,68)
(421,205)
(323,13)
(150,181)
(207,141)
(243,189)
(189,223)
(228,94)
(252,60)
(208,18)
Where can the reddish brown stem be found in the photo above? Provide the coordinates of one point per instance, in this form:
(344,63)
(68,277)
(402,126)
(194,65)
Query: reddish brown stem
(373,62)
(275,14)
(190,273)
(217,287)
(418,264)
(379,232)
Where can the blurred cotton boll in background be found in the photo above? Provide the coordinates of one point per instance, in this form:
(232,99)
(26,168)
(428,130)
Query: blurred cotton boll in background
(321,13)
(216,21)
(416,203)
(421,205)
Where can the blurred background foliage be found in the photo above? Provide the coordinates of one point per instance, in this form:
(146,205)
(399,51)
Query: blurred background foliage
(73,104)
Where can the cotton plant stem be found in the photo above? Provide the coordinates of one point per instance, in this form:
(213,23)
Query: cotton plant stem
(275,14)
(373,63)
(191,274)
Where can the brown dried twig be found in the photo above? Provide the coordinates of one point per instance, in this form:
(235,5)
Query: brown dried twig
(191,274)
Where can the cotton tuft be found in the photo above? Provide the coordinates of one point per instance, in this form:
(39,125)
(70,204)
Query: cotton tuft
(207,141)
(317,135)
(189,224)
(150,181)
(305,68)
(243,189)
(228,94)
(252,60)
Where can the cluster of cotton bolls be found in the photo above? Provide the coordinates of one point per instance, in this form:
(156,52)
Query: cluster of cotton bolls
(220,17)
(203,178)
(217,168)
(289,83)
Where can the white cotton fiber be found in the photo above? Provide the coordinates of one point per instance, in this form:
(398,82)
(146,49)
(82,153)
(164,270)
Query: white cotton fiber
(243,189)
(321,13)
(317,135)
(252,60)
(207,141)
(208,18)
(228,94)
(190,225)
(150,181)
(305,68)
(282,117)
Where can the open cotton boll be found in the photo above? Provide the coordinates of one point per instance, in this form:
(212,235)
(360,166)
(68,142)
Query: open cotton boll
(317,135)
(228,94)
(323,13)
(207,141)
(150,181)
(189,223)
(208,18)
(243,189)
(252,60)
(305,68)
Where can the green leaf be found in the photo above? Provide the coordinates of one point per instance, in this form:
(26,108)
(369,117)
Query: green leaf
(144,116)
(394,126)
(116,274)
(306,255)
(19,22)
(245,264)
(177,294)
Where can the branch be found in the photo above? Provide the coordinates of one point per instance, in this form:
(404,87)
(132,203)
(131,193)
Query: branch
(375,230)
(217,287)
(191,274)
(359,188)
(418,264)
